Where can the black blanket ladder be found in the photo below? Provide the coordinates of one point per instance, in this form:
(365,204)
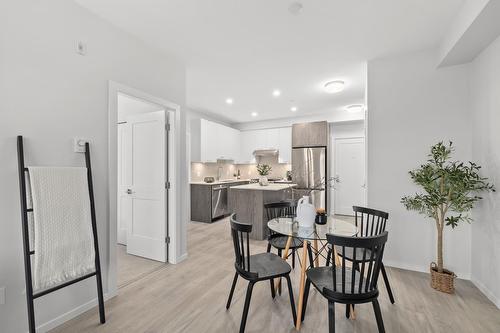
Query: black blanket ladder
(26,243)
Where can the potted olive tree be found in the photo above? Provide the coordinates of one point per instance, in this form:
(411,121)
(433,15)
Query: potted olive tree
(450,190)
(263,170)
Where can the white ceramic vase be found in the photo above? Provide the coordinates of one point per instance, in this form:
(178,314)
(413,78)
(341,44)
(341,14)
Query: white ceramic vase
(263,181)
(306,213)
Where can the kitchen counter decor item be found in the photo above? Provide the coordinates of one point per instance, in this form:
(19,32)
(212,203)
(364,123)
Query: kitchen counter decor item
(208,179)
(450,191)
(263,170)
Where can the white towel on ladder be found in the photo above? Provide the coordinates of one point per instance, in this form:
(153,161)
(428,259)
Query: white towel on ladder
(63,242)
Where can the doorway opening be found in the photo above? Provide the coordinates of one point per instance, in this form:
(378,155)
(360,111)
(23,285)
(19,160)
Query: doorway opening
(142,177)
(348,168)
(142,207)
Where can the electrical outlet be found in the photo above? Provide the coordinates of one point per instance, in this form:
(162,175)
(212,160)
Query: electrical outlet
(2,295)
(79,145)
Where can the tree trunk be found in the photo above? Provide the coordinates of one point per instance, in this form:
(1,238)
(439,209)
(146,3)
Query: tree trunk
(440,249)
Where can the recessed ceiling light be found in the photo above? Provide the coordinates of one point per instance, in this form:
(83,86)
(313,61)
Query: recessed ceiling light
(334,86)
(276,93)
(254,114)
(229,101)
(354,108)
(293,108)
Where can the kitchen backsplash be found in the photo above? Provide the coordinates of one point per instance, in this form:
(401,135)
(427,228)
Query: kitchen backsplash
(247,171)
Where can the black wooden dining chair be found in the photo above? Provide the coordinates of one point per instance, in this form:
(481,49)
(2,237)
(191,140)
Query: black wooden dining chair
(286,208)
(341,284)
(255,268)
(370,222)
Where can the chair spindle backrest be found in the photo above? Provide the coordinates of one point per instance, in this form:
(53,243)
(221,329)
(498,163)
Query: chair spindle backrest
(362,281)
(241,243)
(286,208)
(370,222)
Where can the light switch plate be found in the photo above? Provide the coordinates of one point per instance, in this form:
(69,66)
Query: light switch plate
(81,48)
(79,145)
(2,295)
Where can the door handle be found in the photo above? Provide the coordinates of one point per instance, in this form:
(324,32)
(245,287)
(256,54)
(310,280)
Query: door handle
(129,191)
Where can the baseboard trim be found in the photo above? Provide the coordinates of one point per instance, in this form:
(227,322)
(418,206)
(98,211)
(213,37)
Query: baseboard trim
(59,320)
(487,292)
(180,258)
(419,268)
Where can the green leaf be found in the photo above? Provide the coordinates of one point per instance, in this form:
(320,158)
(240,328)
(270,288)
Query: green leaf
(450,187)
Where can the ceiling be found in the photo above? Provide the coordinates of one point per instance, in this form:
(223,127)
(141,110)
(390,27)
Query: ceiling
(246,49)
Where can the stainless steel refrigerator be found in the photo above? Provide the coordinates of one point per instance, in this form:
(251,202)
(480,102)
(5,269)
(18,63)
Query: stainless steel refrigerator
(309,167)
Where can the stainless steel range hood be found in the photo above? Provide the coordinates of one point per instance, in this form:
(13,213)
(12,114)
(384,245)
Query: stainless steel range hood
(266,152)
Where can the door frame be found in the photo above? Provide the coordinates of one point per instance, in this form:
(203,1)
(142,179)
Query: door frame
(172,110)
(334,166)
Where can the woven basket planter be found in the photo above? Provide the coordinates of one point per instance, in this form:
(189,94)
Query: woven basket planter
(444,282)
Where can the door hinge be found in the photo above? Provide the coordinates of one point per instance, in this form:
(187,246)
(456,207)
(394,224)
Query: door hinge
(167,239)
(167,185)
(167,126)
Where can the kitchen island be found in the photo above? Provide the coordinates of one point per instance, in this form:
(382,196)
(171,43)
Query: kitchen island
(209,201)
(247,202)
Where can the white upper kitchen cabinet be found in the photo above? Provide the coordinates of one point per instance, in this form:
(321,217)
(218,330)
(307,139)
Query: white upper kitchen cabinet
(232,142)
(285,144)
(248,144)
(272,138)
(218,142)
(208,141)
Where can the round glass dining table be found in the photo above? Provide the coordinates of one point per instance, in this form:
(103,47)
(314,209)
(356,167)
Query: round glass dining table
(288,226)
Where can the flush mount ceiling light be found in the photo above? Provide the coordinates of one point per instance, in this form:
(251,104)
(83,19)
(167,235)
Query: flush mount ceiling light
(293,108)
(229,101)
(276,93)
(333,87)
(354,108)
(254,114)
(295,8)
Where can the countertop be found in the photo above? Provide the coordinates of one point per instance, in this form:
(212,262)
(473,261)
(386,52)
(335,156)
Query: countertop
(229,181)
(257,187)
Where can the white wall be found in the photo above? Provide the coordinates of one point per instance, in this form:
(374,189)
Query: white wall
(50,94)
(485,105)
(411,106)
(350,129)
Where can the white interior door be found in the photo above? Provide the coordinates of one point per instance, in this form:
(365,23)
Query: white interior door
(349,164)
(146,151)
(124,181)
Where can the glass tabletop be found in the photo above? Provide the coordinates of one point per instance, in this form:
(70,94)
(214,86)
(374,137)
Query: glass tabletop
(289,227)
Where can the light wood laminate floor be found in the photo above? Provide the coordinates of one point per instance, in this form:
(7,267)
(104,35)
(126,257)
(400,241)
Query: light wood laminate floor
(131,268)
(190,297)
